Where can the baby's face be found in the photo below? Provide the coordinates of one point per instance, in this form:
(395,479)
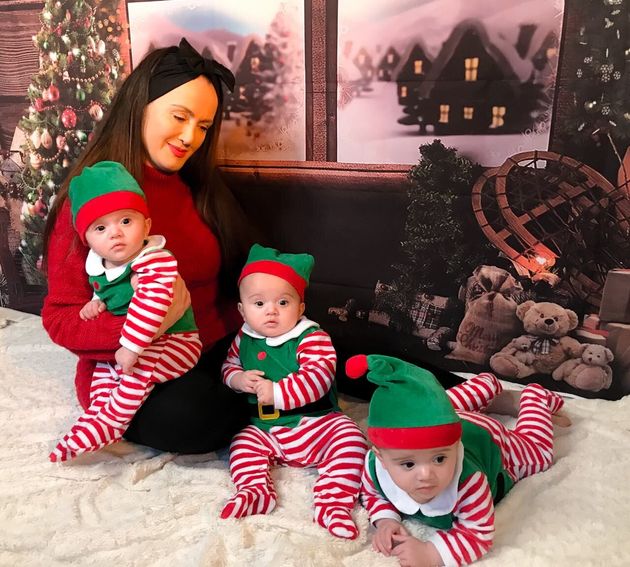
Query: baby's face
(118,237)
(421,473)
(269,305)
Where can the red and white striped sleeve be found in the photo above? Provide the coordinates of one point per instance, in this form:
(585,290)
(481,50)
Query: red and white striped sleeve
(156,271)
(377,506)
(470,536)
(232,363)
(318,360)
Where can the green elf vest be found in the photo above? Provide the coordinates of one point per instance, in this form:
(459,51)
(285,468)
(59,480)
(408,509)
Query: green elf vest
(277,362)
(481,454)
(116,295)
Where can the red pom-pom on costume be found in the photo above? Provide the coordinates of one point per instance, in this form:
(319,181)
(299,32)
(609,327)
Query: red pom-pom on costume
(356,366)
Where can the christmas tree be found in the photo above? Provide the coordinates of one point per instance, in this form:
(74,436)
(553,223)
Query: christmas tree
(601,75)
(285,52)
(80,65)
(443,242)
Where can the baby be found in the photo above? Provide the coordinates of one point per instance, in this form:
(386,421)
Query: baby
(286,365)
(131,274)
(436,459)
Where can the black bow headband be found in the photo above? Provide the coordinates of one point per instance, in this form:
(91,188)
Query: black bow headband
(182,64)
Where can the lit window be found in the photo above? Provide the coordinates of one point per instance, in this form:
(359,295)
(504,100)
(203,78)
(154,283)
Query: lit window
(551,52)
(390,57)
(471,64)
(254,63)
(403,91)
(361,59)
(241,93)
(468,112)
(498,112)
(417,66)
(444,113)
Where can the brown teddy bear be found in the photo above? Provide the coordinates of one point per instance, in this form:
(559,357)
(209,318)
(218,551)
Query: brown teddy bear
(546,326)
(590,371)
(520,348)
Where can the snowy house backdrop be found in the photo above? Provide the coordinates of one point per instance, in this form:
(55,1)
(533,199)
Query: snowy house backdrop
(479,75)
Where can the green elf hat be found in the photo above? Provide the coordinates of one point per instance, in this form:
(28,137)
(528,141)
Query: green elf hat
(409,409)
(293,268)
(101,189)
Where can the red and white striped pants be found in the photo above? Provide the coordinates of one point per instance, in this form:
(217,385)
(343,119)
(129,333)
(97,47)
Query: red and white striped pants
(528,448)
(333,443)
(116,397)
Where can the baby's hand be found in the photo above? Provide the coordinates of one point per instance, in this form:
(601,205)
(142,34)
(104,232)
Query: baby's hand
(246,380)
(412,552)
(264,392)
(92,309)
(126,358)
(383,539)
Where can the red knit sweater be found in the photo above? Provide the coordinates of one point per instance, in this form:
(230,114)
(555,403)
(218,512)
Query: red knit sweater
(191,241)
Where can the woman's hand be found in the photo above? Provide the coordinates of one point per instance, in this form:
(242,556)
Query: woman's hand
(181,302)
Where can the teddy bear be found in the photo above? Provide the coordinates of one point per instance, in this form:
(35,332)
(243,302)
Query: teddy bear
(546,327)
(520,348)
(589,371)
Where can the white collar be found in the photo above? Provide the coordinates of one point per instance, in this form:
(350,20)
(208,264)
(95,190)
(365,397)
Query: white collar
(95,266)
(440,505)
(299,328)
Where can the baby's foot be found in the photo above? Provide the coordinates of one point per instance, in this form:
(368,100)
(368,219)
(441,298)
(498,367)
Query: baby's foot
(561,419)
(338,521)
(61,452)
(249,501)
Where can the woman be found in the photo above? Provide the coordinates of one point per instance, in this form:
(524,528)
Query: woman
(163,126)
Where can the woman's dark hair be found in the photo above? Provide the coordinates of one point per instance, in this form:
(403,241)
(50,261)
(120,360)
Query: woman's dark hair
(118,137)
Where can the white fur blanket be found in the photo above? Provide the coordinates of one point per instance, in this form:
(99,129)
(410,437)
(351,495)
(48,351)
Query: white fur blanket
(133,506)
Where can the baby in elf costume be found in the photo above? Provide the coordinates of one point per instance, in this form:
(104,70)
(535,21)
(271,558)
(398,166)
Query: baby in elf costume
(133,275)
(436,459)
(286,365)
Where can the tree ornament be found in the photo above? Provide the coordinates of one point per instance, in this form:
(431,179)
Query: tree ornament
(69,118)
(80,94)
(60,141)
(96,112)
(590,105)
(91,44)
(40,208)
(38,104)
(36,160)
(47,140)
(36,138)
(65,163)
(101,47)
(53,93)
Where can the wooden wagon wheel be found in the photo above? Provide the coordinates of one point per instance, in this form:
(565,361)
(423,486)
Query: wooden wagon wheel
(547,210)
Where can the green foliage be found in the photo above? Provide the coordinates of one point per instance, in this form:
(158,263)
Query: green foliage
(600,75)
(443,242)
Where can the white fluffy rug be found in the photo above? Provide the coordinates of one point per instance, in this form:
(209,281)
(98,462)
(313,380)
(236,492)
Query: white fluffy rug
(133,506)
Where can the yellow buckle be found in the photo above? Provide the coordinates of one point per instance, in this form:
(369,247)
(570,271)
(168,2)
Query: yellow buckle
(266,416)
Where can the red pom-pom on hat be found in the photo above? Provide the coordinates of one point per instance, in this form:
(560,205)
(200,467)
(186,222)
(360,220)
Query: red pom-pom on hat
(356,366)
